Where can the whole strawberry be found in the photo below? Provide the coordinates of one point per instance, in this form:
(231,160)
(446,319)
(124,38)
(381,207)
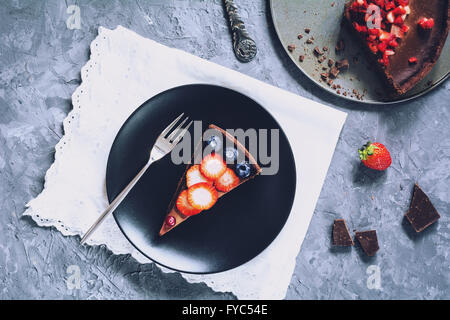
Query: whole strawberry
(375,156)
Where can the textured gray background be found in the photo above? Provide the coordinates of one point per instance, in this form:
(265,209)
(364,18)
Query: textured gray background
(40,62)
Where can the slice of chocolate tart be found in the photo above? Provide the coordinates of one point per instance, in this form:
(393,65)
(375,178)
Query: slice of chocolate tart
(402,38)
(203,184)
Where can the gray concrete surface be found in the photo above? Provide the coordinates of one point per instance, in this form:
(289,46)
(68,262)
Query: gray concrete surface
(40,62)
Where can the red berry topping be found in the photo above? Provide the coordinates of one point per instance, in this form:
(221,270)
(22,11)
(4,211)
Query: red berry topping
(375,156)
(184,206)
(171,221)
(202,196)
(213,166)
(426,24)
(412,60)
(227,181)
(194,176)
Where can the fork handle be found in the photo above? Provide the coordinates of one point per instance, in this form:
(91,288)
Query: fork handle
(116,202)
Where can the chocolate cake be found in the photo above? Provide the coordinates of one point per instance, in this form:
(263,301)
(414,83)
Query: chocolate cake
(403,38)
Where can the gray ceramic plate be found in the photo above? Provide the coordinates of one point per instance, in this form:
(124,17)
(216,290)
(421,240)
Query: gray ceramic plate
(323,18)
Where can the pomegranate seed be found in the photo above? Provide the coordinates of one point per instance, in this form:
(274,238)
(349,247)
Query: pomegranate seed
(171,221)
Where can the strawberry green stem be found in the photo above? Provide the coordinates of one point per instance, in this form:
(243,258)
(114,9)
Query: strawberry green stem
(367,150)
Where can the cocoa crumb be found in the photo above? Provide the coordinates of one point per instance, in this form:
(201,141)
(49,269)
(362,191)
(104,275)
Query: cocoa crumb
(309,41)
(324,76)
(330,62)
(317,51)
(330,82)
(301,58)
(300,36)
(291,47)
(325,49)
(307,30)
(334,72)
(342,64)
(321,59)
(345,93)
(340,46)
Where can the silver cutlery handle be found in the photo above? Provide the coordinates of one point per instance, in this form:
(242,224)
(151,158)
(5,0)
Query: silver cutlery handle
(116,202)
(244,46)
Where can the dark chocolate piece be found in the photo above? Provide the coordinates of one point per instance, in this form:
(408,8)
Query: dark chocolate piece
(368,241)
(341,236)
(307,30)
(301,58)
(421,213)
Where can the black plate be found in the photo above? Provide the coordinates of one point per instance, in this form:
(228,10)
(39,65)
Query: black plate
(239,226)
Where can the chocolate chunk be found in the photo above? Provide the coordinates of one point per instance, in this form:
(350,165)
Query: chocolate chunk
(368,241)
(334,72)
(317,51)
(421,213)
(307,30)
(291,47)
(301,58)
(342,64)
(340,46)
(341,236)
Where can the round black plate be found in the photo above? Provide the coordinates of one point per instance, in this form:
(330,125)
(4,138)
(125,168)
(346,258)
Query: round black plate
(239,226)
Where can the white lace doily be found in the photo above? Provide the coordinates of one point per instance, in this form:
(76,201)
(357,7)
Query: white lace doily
(124,71)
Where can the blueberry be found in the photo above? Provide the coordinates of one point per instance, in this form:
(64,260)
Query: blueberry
(231,154)
(243,170)
(215,143)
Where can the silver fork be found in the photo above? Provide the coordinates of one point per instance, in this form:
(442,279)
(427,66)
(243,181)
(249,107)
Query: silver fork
(164,145)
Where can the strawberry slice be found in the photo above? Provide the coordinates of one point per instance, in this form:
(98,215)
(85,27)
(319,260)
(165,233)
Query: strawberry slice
(184,206)
(213,166)
(202,196)
(194,176)
(227,181)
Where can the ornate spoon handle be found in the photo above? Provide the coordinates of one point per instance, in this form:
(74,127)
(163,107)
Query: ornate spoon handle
(244,46)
